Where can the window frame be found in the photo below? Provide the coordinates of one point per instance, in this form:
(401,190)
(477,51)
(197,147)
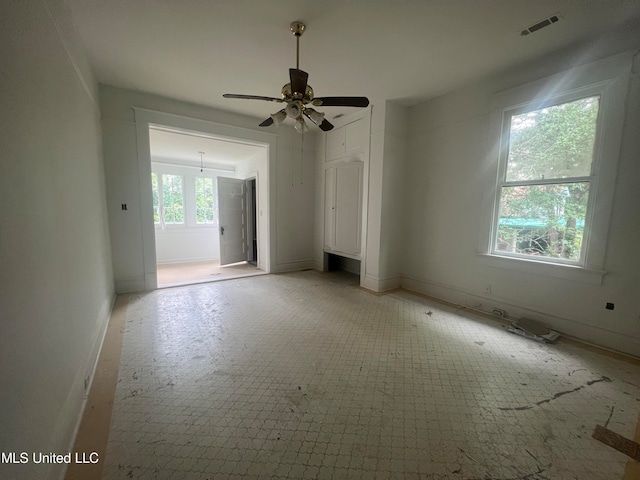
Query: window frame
(609,78)
(591,179)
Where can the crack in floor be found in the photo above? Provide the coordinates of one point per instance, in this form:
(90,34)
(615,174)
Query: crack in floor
(557,395)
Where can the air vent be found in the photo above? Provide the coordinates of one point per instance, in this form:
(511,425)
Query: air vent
(541,24)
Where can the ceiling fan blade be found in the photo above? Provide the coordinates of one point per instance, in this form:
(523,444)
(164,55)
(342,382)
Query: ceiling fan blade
(340,102)
(325,126)
(298,81)
(267,122)
(252,97)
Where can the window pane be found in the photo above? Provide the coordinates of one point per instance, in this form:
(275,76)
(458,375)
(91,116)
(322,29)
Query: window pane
(156,194)
(543,220)
(553,142)
(172,199)
(204,200)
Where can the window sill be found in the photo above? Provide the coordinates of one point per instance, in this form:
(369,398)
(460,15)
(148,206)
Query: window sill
(555,270)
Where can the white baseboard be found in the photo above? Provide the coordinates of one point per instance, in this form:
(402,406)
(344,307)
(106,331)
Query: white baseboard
(597,336)
(292,266)
(173,261)
(376,284)
(78,395)
(130,284)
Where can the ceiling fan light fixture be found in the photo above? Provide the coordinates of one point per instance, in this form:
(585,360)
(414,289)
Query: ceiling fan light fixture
(294,109)
(301,126)
(279,117)
(314,115)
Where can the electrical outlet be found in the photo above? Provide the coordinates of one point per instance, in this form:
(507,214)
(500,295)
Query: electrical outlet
(487,288)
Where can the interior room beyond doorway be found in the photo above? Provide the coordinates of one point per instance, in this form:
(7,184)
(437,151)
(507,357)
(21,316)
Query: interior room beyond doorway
(200,235)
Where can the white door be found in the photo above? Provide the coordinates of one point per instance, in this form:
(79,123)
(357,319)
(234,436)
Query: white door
(233,220)
(343,208)
(348,207)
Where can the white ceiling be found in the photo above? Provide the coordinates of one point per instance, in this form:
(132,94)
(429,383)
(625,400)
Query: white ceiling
(181,147)
(407,50)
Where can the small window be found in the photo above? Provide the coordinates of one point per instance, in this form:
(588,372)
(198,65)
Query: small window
(205,201)
(546,174)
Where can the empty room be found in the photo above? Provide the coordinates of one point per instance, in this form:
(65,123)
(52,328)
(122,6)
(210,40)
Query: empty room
(320,240)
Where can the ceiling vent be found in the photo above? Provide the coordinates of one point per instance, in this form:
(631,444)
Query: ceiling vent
(541,24)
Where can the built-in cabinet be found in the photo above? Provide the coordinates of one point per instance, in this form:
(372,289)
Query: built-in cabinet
(344,171)
(345,140)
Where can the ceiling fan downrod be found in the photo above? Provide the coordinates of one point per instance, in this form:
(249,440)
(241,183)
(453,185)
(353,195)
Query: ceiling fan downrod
(297,28)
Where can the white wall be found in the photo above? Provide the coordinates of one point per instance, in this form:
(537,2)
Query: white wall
(289,186)
(448,174)
(385,244)
(55,270)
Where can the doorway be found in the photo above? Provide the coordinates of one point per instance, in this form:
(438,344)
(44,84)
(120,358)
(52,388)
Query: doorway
(190,172)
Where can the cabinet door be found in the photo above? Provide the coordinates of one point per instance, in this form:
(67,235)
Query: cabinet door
(329,208)
(335,144)
(348,207)
(354,136)
(345,140)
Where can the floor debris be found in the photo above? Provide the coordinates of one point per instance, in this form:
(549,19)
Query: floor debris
(534,330)
(620,443)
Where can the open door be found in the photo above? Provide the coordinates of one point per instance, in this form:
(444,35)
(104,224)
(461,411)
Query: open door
(233,220)
(252,221)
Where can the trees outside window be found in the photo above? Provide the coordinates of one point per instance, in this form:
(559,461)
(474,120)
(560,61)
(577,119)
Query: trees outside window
(205,200)
(183,198)
(544,183)
(168,199)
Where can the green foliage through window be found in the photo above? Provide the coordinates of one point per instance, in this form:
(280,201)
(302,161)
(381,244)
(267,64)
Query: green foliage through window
(205,200)
(168,199)
(544,195)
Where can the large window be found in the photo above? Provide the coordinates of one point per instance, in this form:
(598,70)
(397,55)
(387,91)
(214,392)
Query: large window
(557,144)
(168,199)
(544,186)
(183,198)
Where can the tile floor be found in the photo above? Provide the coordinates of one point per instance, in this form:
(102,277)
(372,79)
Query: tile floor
(304,375)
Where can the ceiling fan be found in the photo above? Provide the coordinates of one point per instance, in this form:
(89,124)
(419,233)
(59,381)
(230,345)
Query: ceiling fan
(298,96)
